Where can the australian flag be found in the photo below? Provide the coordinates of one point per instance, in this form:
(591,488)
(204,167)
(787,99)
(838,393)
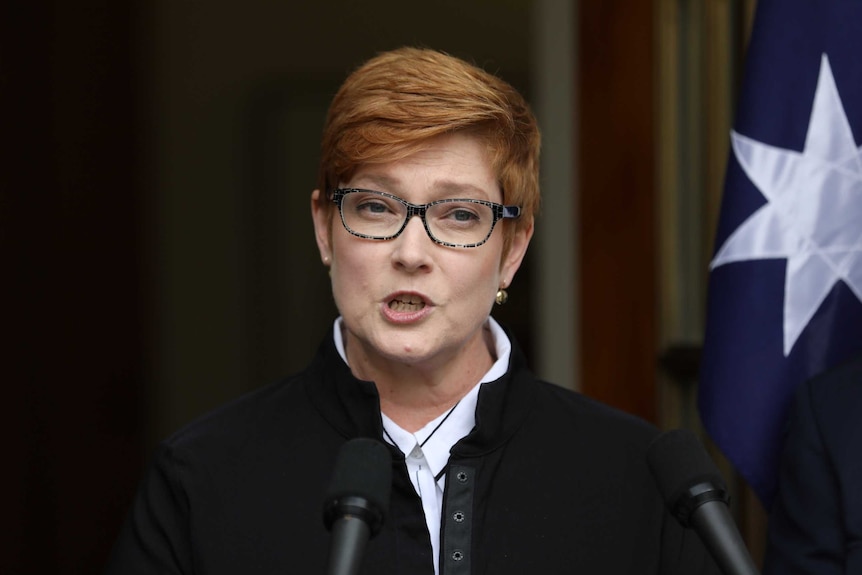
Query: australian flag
(785,288)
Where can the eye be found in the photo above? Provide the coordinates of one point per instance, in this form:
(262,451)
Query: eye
(463,215)
(372,206)
(460,213)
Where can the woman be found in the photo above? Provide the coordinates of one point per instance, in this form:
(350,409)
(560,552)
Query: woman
(425,204)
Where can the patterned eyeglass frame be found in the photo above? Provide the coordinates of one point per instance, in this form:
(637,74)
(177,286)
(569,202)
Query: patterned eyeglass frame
(499,211)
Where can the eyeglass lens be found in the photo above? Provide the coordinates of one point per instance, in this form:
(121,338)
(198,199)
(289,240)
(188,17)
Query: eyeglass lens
(379,216)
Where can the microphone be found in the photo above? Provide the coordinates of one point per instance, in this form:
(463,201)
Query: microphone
(696,495)
(357,501)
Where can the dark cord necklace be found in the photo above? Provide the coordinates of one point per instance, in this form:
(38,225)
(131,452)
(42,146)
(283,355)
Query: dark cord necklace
(442,421)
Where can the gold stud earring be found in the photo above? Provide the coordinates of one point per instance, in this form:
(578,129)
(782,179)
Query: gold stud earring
(502,296)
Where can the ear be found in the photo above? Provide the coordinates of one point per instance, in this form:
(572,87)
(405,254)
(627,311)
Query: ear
(321,214)
(517,250)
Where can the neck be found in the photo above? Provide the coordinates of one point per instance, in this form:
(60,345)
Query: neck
(413,395)
(412,409)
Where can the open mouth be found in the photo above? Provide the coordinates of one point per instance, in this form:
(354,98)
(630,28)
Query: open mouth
(406,303)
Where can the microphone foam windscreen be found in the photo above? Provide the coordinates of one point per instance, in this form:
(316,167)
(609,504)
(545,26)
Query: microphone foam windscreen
(363,468)
(678,461)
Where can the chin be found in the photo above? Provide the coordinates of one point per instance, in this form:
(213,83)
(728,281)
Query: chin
(409,350)
(405,351)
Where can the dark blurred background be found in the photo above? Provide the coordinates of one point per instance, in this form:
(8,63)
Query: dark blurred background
(157,251)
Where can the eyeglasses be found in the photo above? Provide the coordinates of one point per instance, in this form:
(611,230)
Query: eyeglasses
(456,223)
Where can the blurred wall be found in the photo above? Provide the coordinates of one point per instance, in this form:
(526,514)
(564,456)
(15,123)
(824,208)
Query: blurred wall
(74,353)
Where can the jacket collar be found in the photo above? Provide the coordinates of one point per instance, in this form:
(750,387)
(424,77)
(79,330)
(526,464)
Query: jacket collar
(352,405)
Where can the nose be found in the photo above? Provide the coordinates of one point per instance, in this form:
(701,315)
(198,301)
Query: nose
(411,250)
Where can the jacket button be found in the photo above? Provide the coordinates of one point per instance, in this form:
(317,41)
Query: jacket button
(457,555)
(458,516)
(462,477)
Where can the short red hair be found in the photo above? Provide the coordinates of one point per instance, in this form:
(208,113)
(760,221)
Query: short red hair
(395,102)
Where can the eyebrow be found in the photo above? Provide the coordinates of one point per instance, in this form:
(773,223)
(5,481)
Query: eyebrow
(445,188)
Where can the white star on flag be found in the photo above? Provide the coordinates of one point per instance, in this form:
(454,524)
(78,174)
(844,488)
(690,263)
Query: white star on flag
(813,214)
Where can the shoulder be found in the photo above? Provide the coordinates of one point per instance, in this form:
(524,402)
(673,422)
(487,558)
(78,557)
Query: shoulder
(570,416)
(827,412)
(574,403)
(834,395)
(844,380)
(261,413)
(283,406)
(559,412)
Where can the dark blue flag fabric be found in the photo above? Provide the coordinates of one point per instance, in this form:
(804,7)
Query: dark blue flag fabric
(785,288)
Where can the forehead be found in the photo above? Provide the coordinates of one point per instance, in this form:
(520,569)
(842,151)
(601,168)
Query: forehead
(446,166)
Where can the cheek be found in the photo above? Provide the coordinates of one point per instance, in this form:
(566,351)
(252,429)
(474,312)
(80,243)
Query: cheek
(350,292)
(353,271)
(478,279)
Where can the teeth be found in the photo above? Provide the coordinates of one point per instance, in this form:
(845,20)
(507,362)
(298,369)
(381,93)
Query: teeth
(407,303)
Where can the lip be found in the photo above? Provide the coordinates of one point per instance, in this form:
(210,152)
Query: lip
(406,315)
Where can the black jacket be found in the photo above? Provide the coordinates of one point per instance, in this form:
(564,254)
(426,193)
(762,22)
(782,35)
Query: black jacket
(815,525)
(548,482)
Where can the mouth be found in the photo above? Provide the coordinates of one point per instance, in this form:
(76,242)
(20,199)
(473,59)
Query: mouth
(407,303)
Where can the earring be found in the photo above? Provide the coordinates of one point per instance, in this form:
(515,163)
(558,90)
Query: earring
(502,296)
(326,260)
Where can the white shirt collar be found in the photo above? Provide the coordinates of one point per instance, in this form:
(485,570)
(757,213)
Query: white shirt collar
(463,417)
(502,345)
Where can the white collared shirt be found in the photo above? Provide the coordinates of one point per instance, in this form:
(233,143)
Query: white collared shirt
(425,462)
